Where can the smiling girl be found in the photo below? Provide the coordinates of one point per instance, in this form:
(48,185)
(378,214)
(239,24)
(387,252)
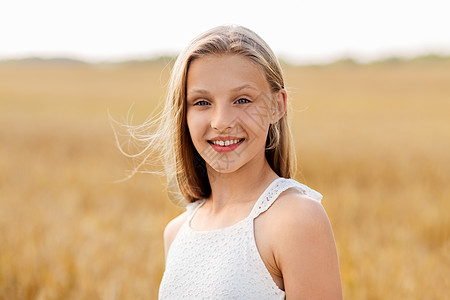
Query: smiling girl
(249,231)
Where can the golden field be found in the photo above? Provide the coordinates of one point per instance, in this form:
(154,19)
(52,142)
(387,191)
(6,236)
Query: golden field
(374,139)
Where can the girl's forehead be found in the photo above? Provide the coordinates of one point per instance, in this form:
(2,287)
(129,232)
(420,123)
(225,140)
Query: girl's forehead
(225,58)
(230,70)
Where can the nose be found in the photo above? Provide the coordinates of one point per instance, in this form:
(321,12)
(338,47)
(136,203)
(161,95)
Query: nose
(222,118)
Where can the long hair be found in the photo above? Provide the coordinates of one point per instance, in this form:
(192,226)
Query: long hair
(184,167)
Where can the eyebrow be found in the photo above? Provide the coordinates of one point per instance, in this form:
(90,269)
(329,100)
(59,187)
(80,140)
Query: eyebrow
(197,91)
(238,88)
(244,86)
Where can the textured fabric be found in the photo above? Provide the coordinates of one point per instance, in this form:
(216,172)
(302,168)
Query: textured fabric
(223,263)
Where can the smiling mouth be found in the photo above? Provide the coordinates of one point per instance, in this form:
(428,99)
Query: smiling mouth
(225,143)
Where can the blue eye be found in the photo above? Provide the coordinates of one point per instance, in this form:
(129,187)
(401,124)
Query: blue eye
(201,103)
(242,101)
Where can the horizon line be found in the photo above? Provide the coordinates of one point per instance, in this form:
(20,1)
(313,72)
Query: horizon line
(349,60)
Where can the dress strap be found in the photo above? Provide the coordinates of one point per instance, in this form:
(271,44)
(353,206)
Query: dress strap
(278,186)
(192,208)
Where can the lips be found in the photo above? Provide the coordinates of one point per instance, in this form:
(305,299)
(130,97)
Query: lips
(225,144)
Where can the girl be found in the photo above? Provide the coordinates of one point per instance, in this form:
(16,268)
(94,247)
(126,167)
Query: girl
(249,232)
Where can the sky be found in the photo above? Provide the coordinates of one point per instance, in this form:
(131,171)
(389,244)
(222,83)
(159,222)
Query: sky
(314,31)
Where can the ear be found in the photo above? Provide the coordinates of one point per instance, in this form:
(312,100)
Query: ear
(279,109)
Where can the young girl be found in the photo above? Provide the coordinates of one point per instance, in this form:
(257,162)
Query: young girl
(249,231)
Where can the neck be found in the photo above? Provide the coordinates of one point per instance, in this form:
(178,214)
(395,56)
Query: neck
(241,186)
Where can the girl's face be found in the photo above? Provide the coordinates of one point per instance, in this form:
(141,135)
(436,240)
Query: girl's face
(229,109)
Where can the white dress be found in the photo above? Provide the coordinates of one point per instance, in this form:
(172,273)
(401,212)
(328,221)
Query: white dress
(224,263)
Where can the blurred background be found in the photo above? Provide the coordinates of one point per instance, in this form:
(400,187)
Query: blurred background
(369,84)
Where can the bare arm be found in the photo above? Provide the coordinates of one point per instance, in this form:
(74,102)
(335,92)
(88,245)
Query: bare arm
(305,251)
(171,230)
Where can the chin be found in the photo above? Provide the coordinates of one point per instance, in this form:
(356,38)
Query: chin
(224,168)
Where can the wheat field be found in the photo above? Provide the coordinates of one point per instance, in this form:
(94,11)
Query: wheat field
(373,139)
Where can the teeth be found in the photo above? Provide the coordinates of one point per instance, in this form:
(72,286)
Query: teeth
(225,143)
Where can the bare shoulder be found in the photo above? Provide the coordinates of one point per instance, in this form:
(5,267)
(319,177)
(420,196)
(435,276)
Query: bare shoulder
(171,230)
(296,217)
(294,208)
(304,247)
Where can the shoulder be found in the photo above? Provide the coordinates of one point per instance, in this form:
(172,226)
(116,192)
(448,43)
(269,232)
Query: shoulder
(301,225)
(304,248)
(294,208)
(171,230)
(294,217)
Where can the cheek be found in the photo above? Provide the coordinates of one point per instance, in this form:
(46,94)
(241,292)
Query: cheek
(195,126)
(256,122)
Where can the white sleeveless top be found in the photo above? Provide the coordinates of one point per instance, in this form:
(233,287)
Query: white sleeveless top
(223,263)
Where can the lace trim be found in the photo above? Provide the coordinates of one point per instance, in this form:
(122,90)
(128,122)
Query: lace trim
(278,186)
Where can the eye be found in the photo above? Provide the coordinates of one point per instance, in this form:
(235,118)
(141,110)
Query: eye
(243,101)
(201,103)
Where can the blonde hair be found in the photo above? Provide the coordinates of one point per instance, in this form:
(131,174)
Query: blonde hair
(184,167)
